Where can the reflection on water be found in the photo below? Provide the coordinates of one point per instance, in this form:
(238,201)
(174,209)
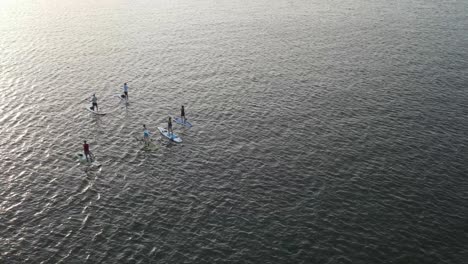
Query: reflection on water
(323,132)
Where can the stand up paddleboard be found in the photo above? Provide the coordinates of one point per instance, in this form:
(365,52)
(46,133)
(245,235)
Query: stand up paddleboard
(172,137)
(122,98)
(94,112)
(82,158)
(179,121)
(150,146)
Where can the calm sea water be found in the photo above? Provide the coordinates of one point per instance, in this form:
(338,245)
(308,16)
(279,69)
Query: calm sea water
(324,131)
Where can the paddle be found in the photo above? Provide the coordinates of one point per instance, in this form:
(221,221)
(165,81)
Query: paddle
(91,155)
(87,98)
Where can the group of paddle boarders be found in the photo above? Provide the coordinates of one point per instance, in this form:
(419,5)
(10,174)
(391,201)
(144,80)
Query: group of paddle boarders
(146,133)
(170,131)
(94,99)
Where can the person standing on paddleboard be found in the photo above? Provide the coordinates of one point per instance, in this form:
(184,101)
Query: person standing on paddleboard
(94,101)
(87,152)
(146,135)
(182,114)
(169,127)
(125,90)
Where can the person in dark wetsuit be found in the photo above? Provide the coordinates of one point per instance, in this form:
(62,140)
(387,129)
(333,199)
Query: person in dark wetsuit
(125,89)
(182,114)
(87,152)
(94,101)
(169,127)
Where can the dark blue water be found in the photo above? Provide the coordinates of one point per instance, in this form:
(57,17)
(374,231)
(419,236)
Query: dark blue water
(324,132)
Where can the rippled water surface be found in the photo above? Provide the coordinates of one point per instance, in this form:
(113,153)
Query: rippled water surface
(324,131)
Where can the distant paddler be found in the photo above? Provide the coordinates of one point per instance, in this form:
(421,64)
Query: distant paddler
(182,120)
(94,101)
(125,90)
(87,152)
(170,132)
(182,114)
(146,135)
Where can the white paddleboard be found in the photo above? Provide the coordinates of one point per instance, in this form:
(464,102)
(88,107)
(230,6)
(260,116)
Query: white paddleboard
(94,112)
(82,158)
(121,97)
(179,121)
(174,137)
(142,140)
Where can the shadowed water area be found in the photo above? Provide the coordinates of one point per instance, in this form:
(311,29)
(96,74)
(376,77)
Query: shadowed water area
(323,131)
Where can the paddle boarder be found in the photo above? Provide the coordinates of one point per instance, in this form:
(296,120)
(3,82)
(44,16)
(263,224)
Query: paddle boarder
(87,152)
(94,101)
(182,114)
(125,90)
(146,135)
(169,127)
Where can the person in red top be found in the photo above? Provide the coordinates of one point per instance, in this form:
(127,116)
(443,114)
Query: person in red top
(87,152)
